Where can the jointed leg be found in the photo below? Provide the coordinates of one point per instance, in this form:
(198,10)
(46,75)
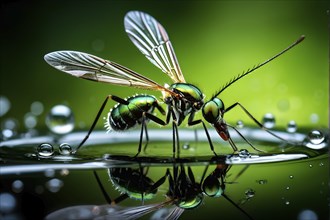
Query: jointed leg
(257,122)
(144,128)
(246,140)
(115,98)
(192,123)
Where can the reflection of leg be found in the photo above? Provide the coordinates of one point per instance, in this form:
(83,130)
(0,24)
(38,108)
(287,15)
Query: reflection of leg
(257,122)
(192,123)
(239,208)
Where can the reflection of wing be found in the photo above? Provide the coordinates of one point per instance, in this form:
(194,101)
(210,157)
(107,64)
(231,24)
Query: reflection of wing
(175,213)
(152,40)
(105,212)
(91,67)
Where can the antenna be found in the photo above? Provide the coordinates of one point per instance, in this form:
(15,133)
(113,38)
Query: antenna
(300,39)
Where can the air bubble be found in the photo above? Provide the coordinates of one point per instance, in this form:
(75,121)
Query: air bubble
(315,137)
(64,172)
(292,127)
(249,193)
(37,108)
(30,120)
(4,105)
(65,149)
(7,133)
(54,185)
(268,120)
(17,186)
(60,119)
(307,215)
(239,124)
(49,172)
(314,118)
(186,146)
(45,150)
(262,182)
(7,203)
(244,153)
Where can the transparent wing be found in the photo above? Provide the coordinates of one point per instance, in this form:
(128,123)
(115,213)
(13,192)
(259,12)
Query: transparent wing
(151,39)
(91,67)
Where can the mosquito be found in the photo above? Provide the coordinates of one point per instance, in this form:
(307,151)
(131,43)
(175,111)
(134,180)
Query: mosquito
(183,99)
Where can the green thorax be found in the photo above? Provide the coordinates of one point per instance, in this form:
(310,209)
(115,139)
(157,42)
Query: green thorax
(189,91)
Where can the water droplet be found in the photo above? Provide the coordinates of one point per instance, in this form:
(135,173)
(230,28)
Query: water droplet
(321,164)
(292,127)
(186,146)
(291,176)
(7,203)
(239,124)
(30,120)
(54,185)
(268,120)
(244,153)
(315,137)
(7,133)
(249,193)
(64,172)
(45,150)
(287,202)
(4,105)
(287,188)
(9,127)
(262,182)
(60,119)
(17,186)
(49,172)
(314,118)
(10,123)
(310,165)
(37,108)
(65,149)
(307,215)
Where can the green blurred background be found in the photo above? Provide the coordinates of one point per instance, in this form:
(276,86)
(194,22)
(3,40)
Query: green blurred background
(214,41)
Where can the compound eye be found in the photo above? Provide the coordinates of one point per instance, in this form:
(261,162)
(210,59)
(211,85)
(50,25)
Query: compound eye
(220,104)
(211,112)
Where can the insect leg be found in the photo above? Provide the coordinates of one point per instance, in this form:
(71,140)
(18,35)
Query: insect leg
(115,98)
(144,126)
(176,142)
(192,123)
(246,140)
(257,122)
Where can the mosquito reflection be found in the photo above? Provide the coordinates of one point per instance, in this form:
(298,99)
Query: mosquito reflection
(183,192)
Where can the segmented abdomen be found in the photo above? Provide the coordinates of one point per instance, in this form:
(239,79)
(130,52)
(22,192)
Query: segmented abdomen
(123,117)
